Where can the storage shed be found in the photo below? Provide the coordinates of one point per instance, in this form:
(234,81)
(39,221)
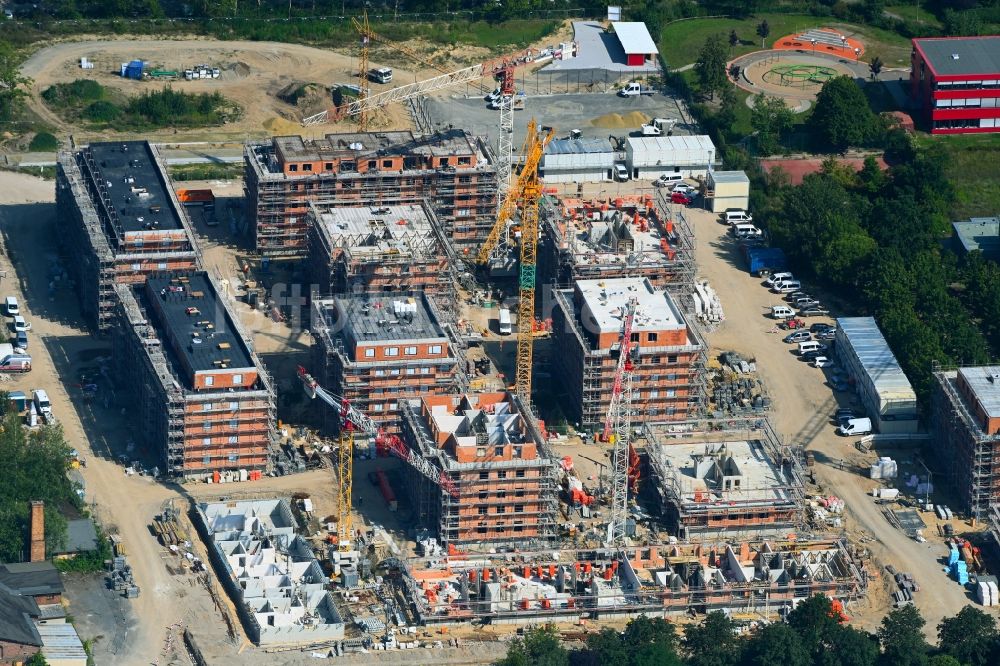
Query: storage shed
(882,387)
(653,156)
(728,189)
(636,41)
(578,161)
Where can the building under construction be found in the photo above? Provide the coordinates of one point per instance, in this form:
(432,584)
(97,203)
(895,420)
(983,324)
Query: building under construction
(380,350)
(750,580)
(493,451)
(451,169)
(709,488)
(204,402)
(670,356)
(623,236)
(119,221)
(394,249)
(966,425)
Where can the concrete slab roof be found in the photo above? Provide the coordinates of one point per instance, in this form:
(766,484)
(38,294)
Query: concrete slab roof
(634,36)
(605,300)
(363,231)
(702,467)
(383,319)
(957,56)
(984,382)
(139,191)
(979,233)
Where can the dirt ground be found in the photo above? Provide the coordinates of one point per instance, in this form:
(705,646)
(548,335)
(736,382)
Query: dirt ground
(803,409)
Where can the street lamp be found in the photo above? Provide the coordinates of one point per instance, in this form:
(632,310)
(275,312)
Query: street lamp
(857,54)
(814,44)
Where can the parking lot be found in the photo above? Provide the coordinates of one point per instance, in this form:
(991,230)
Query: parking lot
(564,112)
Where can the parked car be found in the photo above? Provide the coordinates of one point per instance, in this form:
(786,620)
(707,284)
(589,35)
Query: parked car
(822,362)
(814,311)
(795,295)
(856,427)
(827,335)
(820,327)
(810,355)
(777,277)
(669,179)
(680,198)
(20,340)
(798,336)
(844,414)
(792,324)
(20,325)
(685,188)
(807,302)
(11,306)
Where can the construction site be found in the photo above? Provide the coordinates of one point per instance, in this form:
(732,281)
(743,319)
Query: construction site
(388,249)
(204,402)
(120,222)
(452,169)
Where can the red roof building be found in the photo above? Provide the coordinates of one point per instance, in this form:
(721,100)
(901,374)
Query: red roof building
(957,82)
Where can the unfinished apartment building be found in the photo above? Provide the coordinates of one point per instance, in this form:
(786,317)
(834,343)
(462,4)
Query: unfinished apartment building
(384,249)
(203,400)
(966,424)
(736,488)
(451,169)
(380,350)
(759,579)
(669,366)
(119,221)
(491,448)
(627,235)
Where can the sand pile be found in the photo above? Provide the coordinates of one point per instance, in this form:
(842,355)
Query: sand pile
(280,126)
(619,121)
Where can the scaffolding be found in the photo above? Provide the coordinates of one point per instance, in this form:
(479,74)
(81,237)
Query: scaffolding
(776,506)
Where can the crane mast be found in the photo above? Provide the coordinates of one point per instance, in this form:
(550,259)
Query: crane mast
(619,420)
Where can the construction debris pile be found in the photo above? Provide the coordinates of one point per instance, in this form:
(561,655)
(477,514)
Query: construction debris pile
(735,387)
(906,587)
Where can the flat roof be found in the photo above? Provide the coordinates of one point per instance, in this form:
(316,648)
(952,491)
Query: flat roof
(382,318)
(701,466)
(362,144)
(139,191)
(604,302)
(876,357)
(379,229)
(693,142)
(984,382)
(979,233)
(955,56)
(730,177)
(578,146)
(634,37)
(60,641)
(189,309)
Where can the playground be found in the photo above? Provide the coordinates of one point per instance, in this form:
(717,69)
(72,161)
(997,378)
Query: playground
(798,65)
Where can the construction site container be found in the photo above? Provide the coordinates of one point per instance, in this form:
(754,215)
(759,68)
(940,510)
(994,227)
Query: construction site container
(386,488)
(578,161)
(884,390)
(19,399)
(764,259)
(728,189)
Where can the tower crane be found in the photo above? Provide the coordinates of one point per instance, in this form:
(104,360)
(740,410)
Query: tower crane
(618,424)
(352,421)
(526,191)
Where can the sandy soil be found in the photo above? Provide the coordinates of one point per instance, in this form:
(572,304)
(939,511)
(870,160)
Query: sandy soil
(803,409)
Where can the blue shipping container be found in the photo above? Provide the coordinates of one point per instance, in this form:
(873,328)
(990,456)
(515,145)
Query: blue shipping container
(134,69)
(765,258)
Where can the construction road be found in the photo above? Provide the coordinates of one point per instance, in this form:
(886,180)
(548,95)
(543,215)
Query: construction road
(803,406)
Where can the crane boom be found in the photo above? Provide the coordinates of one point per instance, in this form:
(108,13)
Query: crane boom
(620,418)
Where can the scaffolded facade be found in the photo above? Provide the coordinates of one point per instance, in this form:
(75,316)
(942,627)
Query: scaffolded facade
(749,484)
(491,448)
(119,222)
(203,399)
(642,236)
(668,373)
(451,169)
(395,249)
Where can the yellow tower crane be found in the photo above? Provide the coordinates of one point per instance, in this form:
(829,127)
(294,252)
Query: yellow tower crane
(366,35)
(526,192)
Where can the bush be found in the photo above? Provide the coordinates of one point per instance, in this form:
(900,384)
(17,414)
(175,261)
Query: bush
(43,142)
(75,93)
(102,112)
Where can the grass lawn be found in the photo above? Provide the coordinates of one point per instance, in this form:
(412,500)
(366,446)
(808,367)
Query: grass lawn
(680,41)
(973,169)
(913,13)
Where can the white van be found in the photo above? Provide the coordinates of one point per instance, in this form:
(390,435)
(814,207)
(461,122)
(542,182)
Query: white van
(505,324)
(786,286)
(621,173)
(41,400)
(782,312)
(745,230)
(737,215)
(810,346)
(855,427)
(11,306)
(775,278)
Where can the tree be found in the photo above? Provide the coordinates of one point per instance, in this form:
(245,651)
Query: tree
(769,118)
(734,39)
(12,84)
(539,647)
(871,177)
(875,67)
(645,642)
(776,644)
(943,660)
(842,116)
(968,636)
(711,66)
(37,659)
(763,30)
(849,647)
(606,647)
(814,621)
(711,643)
(726,117)
(902,638)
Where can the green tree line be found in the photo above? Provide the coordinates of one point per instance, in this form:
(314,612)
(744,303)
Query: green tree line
(814,634)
